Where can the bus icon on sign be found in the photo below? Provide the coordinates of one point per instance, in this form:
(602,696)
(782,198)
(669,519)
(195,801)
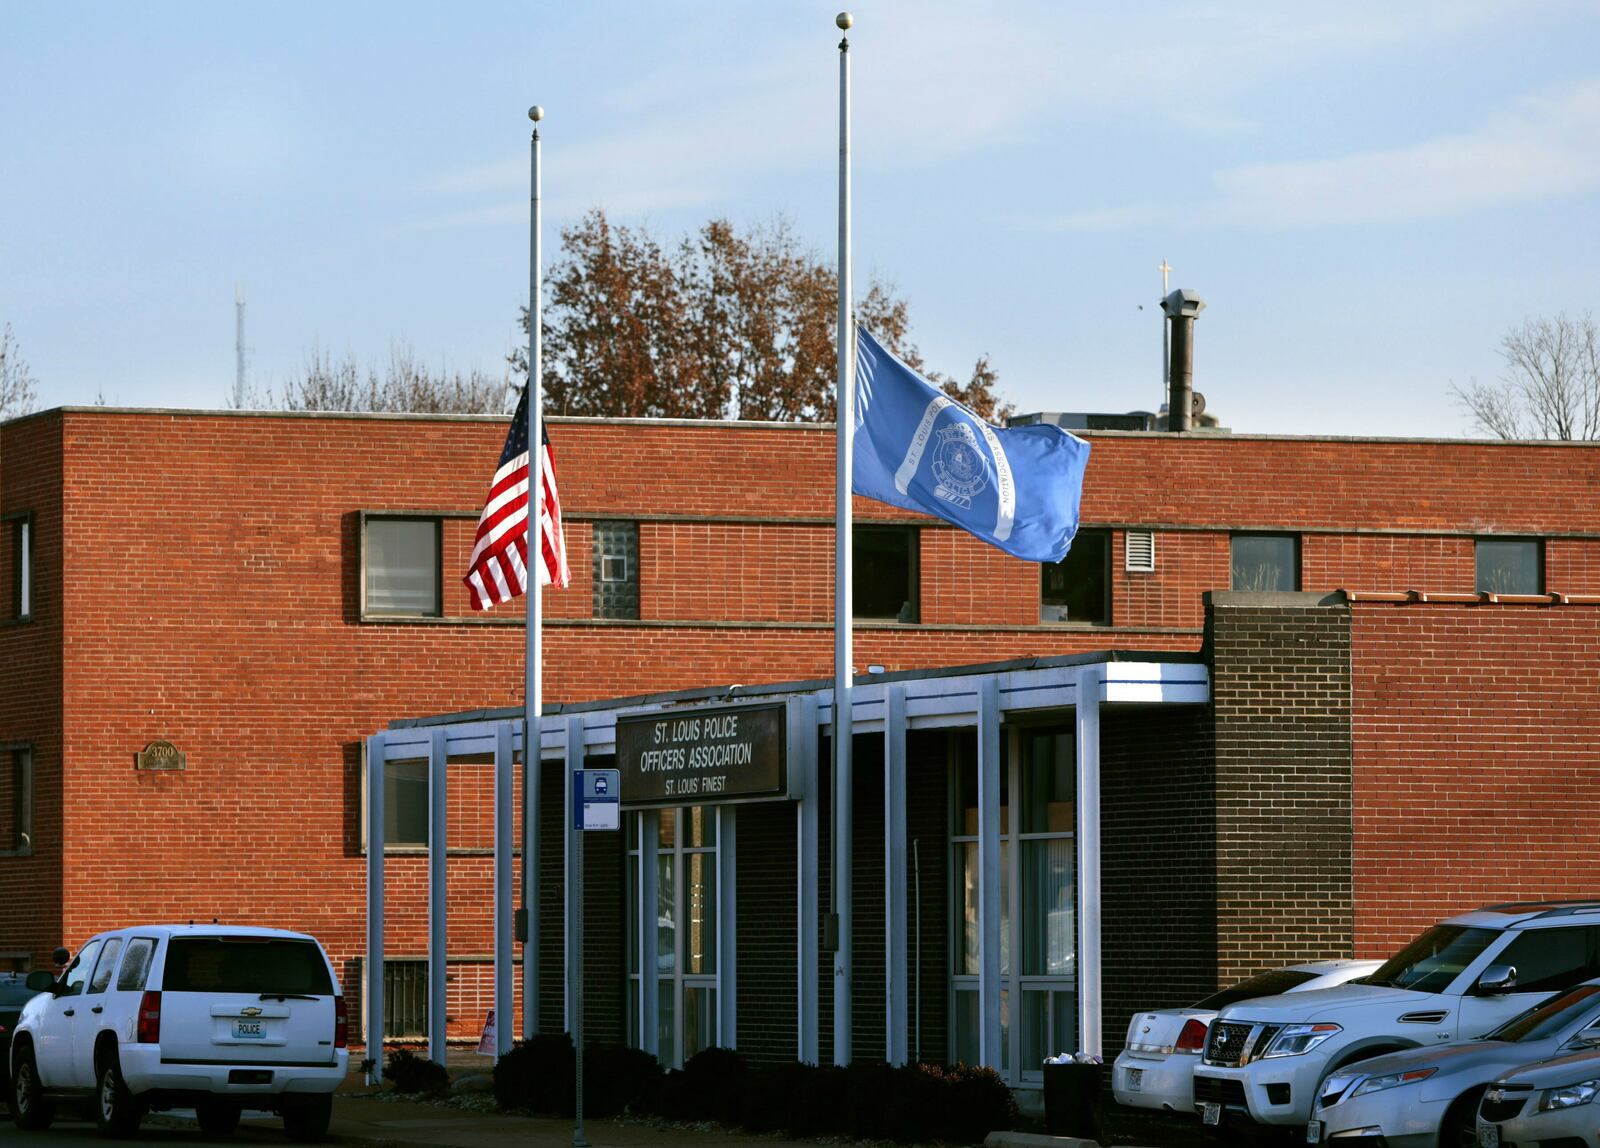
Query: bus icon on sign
(601,786)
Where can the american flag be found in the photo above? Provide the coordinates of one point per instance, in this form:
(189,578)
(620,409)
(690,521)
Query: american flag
(498,571)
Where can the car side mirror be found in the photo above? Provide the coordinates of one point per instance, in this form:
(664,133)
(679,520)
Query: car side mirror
(41,981)
(1497,979)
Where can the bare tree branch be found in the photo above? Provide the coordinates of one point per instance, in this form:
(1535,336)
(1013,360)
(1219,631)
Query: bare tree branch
(17,394)
(1551,385)
(406,385)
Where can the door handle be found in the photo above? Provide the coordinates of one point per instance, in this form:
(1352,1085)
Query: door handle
(98,1008)
(69,1012)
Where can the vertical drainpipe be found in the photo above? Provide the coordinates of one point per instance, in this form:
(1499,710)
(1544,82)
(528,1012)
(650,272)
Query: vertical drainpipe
(1181,308)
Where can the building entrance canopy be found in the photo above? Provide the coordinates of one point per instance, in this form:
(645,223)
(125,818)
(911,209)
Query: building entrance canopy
(724,747)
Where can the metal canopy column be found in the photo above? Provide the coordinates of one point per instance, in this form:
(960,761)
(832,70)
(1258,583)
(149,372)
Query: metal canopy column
(532,775)
(572,958)
(896,1036)
(989,908)
(803,756)
(727,927)
(373,968)
(649,930)
(438,895)
(503,861)
(1091,684)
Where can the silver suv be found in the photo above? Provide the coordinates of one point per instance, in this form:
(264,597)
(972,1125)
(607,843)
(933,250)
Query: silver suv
(214,1017)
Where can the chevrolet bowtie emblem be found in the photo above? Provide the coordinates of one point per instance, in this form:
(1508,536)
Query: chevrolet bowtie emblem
(251,1011)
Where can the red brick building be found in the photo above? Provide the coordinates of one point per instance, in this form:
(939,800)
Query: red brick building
(263,591)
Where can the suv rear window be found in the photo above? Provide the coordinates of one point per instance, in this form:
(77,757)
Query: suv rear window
(245,965)
(1429,963)
(1260,985)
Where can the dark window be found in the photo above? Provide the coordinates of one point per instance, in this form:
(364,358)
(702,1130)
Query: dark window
(405,996)
(885,578)
(1266,562)
(405,803)
(16,799)
(108,962)
(402,574)
(16,565)
(1510,566)
(1551,959)
(1429,963)
(616,570)
(245,965)
(1548,1017)
(1260,985)
(136,965)
(1078,588)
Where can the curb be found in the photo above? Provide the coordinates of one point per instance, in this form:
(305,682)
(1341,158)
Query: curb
(1035,1140)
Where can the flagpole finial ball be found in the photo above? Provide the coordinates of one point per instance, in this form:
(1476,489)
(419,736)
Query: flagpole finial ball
(536,113)
(844,20)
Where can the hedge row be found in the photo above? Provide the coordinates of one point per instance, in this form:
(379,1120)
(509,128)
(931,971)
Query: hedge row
(871,1100)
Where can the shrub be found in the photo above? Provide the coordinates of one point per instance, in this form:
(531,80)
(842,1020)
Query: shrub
(616,1077)
(768,1093)
(818,1106)
(538,1074)
(912,1110)
(977,1103)
(713,1081)
(407,1072)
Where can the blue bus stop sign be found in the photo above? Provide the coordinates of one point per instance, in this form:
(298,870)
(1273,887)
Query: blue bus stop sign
(596,799)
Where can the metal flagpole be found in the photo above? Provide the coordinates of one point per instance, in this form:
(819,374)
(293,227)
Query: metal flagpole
(843,604)
(533,693)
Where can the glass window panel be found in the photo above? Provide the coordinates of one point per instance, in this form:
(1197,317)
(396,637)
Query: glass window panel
(136,964)
(1266,562)
(701,879)
(630,826)
(666,916)
(631,911)
(699,1019)
(78,971)
(1064,1019)
(633,1012)
(1049,912)
(966,1026)
(108,962)
(1078,588)
(666,1023)
(967,790)
(700,826)
(1510,566)
(405,803)
(1049,782)
(1036,1044)
(403,566)
(884,581)
(1005,1030)
(669,829)
(967,862)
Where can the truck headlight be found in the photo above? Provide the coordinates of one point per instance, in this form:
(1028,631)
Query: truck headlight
(1392,1080)
(1569,1097)
(1298,1038)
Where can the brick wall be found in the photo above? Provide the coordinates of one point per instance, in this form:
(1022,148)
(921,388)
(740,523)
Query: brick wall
(1280,691)
(1158,857)
(1477,745)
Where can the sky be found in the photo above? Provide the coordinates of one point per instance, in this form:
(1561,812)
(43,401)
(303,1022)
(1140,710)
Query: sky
(1367,195)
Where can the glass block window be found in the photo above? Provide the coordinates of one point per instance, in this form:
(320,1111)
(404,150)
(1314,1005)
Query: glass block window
(1510,566)
(616,569)
(402,560)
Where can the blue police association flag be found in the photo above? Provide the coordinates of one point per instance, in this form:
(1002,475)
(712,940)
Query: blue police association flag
(915,447)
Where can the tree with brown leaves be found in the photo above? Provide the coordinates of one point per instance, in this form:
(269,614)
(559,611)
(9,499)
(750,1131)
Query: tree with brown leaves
(723,324)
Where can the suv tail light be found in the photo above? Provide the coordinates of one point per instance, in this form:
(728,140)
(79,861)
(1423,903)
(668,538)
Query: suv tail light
(1192,1038)
(341,1023)
(148,1030)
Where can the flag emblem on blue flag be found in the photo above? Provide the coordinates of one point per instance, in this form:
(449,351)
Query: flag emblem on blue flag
(1017,488)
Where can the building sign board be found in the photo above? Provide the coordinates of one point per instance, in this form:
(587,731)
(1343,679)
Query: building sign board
(695,757)
(160,755)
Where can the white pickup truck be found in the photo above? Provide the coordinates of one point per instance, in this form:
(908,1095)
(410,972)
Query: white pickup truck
(1265,1059)
(214,1017)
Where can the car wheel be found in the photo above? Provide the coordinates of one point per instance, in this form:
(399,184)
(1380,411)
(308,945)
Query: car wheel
(306,1119)
(218,1117)
(1460,1126)
(117,1112)
(29,1106)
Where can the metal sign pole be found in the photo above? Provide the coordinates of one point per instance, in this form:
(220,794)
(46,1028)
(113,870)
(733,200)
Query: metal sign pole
(578,1139)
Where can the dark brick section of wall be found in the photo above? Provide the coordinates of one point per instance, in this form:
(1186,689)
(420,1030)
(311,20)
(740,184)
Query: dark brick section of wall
(1158,857)
(1280,692)
(768,951)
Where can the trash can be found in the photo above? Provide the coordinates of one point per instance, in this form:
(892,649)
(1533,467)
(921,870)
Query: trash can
(1074,1102)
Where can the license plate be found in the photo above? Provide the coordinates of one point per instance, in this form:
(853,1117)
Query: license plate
(1210,1113)
(1314,1132)
(1135,1079)
(249,1030)
(1488,1135)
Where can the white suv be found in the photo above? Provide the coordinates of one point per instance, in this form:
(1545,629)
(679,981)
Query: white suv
(1265,1059)
(214,1017)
